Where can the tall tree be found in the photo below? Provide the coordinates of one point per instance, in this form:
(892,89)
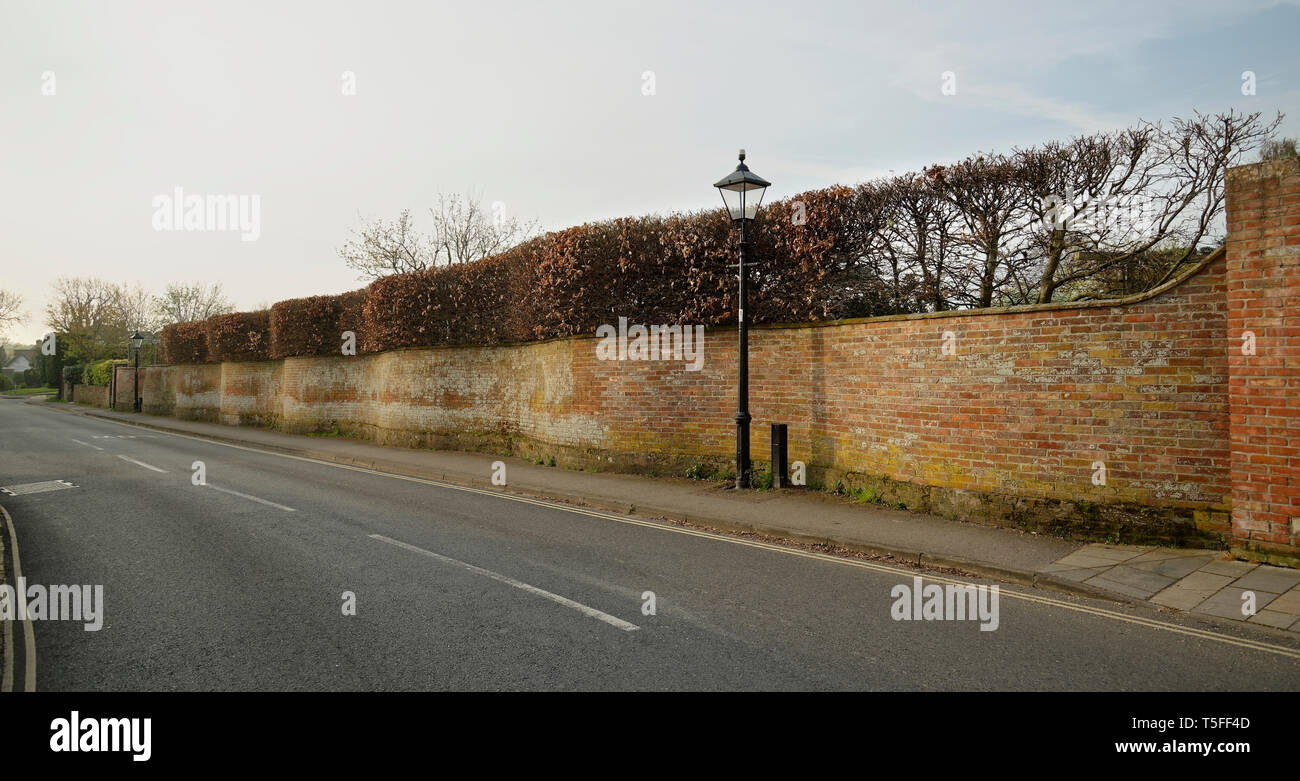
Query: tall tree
(1160,200)
(462,231)
(91,316)
(991,214)
(184,303)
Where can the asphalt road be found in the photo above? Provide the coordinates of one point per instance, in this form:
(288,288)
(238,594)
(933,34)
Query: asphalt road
(207,589)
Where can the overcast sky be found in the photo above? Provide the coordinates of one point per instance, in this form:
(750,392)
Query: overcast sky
(542,106)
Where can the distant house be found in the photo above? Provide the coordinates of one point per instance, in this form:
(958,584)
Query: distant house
(20,362)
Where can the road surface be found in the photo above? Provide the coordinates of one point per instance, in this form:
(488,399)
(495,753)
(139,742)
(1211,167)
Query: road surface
(240,584)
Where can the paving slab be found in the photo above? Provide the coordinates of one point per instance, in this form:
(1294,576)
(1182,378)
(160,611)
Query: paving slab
(1176,567)
(1085,559)
(1179,598)
(1137,592)
(1287,603)
(1115,553)
(1234,568)
(1269,578)
(1149,582)
(1274,619)
(1076,574)
(1207,582)
(1162,554)
(1227,603)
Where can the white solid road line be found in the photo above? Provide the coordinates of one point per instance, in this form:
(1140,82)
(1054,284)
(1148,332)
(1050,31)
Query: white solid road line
(252,498)
(578,606)
(143,464)
(87,444)
(29,637)
(1113,615)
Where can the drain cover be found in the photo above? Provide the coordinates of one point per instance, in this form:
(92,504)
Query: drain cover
(36,488)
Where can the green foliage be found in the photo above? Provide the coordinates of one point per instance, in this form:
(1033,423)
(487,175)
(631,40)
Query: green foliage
(32,391)
(100,373)
(763,481)
(73,374)
(866,494)
(51,366)
(6,383)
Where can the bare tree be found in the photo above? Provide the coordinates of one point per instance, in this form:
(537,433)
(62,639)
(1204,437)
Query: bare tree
(1066,186)
(1161,197)
(918,234)
(462,232)
(991,213)
(138,310)
(11,310)
(379,248)
(183,303)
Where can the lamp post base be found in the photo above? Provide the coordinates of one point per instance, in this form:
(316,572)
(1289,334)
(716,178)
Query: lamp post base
(742,449)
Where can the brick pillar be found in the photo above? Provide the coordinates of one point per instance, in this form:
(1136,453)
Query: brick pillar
(1263,206)
(123,397)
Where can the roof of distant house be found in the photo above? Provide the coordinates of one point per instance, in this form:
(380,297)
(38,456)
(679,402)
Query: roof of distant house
(28,353)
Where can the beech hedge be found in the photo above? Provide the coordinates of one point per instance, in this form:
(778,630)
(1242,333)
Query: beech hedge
(240,336)
(677,269)
(185,342)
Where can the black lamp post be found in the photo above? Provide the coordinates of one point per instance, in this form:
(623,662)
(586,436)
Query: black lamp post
(742,193)
(136,341)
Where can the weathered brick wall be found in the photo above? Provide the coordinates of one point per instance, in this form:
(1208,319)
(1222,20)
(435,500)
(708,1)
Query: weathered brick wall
(1006,429)
(1263,278)
(91,395)
(197,392)
(250,393)
(1014,424)
(123,387)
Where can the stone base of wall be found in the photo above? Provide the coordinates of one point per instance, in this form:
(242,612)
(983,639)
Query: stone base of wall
(1267,553)
(1125,523)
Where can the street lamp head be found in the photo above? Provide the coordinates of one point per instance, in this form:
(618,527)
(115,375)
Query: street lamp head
(136,340)
(742,191)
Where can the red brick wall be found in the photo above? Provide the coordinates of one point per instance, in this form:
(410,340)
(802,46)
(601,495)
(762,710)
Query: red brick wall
(1263,278)
(1197,438)
(123,388)
(1005,430)
(91,395)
